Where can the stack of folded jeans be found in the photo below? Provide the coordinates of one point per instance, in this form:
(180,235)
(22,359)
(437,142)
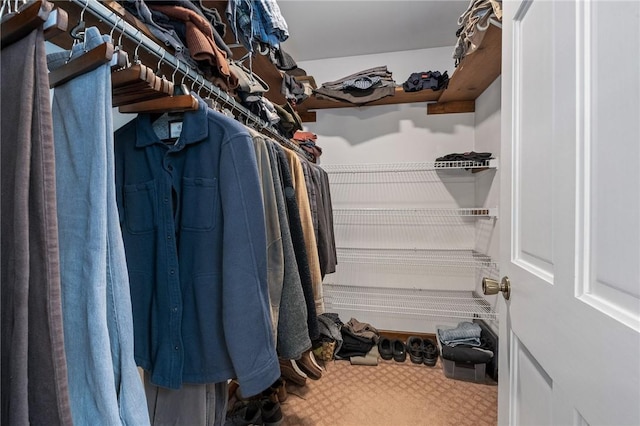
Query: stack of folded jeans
(359,88)
(255,22)
(465,344)
(465,333)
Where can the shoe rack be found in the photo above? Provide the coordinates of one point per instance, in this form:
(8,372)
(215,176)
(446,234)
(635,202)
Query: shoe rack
(406,243)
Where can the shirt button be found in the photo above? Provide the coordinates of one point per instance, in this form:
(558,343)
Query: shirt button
(168,237)
(172,272)
(166,199)
(176,347)
(175,309)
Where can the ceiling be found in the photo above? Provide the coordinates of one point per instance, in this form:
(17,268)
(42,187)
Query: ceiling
(330,29)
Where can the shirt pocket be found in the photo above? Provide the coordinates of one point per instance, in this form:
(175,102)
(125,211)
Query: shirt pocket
(199,202)
(139,207)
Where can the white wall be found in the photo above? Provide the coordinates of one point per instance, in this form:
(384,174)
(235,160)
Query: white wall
(390,133)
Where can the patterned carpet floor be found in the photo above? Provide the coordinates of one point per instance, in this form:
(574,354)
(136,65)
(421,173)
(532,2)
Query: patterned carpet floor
(390,393)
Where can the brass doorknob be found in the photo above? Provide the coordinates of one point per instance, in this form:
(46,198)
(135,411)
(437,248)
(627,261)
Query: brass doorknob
(490,286)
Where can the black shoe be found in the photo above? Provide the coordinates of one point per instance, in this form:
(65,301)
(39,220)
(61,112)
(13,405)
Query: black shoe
(414,348)
(246,414)
(385,348)
(271,413)
(399,351)
(430,352)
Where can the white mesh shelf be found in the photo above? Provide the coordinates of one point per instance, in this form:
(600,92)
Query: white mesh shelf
(409,302)
(409,167)
(416,212)
(414,257)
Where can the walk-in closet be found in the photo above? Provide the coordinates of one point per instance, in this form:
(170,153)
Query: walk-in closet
(319,213)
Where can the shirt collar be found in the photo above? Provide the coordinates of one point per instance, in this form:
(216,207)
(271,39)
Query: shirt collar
(194,127)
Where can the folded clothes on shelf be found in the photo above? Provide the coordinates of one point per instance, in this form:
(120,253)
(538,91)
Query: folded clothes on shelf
(433,80)
(466,156)
(359,88)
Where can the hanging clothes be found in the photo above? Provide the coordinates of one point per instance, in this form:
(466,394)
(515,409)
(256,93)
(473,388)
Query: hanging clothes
(34,365)
(193,224)
(302,197)
(291,322)
(96,299)
(204,404)
(275,255)
(297,238)
(322,212)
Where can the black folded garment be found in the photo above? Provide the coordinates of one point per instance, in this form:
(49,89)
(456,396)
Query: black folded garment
(466,354)
(433,80)
(466,156)
(474,157)
(353,345)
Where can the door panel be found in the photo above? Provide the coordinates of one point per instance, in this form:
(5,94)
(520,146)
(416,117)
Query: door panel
(609,178)
(531,383)
(532,189)
(570,203)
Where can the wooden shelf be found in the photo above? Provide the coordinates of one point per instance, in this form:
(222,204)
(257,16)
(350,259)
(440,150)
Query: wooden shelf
(476,71)
(472,76)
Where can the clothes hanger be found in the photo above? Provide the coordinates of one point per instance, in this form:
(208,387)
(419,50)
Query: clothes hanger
(84,63)
(211,103)
(57,23)
(137,83)
(120,58)
(179,102)
(23,21)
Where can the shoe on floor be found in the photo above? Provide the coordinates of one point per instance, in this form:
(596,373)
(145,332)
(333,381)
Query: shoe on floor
(292,373)
(385,348)
(399,351)
(309,366)
(245,414)
(271,413)
(430,352)
(277,392)
(415,348)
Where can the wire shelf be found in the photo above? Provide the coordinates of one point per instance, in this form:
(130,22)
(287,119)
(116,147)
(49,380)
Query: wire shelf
(408,302)
(409,167)
(415,257)
(417,212)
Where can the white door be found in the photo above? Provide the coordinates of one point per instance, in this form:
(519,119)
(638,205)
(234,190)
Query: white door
(570,203)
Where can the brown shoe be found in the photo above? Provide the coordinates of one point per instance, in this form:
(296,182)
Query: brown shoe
(277,392)
(308,364)
(290,371)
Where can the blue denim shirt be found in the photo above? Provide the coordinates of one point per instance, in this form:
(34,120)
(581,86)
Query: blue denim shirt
(193,225)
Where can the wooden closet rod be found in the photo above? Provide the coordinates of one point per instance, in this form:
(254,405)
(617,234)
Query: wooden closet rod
(109,16)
